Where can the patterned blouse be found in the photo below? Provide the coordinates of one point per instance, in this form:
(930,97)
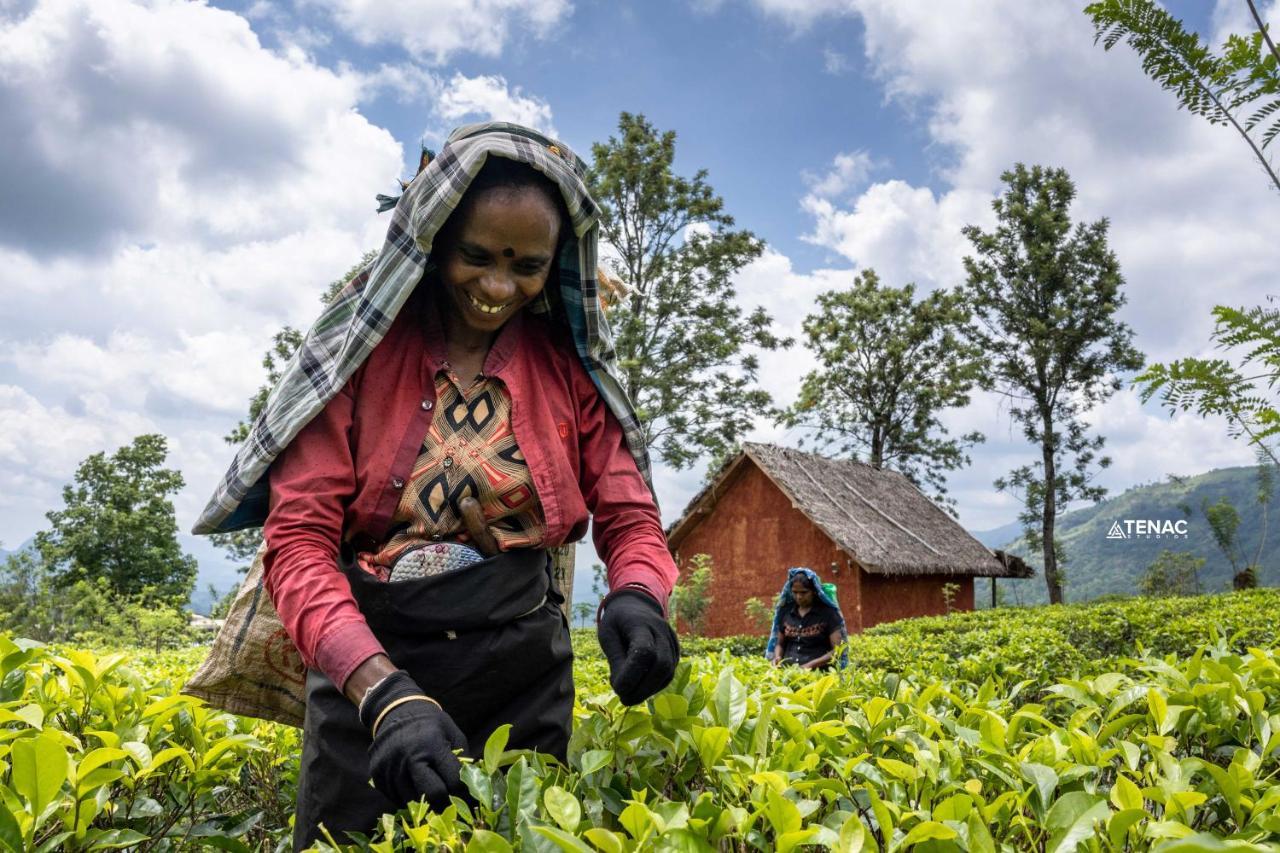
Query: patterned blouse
(469,450)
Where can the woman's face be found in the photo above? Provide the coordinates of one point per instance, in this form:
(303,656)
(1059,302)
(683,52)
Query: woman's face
(803,593)
(498,259)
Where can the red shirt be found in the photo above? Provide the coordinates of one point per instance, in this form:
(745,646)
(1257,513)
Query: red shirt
(341,478)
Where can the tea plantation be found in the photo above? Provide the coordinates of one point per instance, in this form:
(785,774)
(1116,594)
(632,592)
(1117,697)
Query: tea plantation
(1132,725)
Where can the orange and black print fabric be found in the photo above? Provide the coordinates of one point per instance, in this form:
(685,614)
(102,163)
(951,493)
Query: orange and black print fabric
(469,451)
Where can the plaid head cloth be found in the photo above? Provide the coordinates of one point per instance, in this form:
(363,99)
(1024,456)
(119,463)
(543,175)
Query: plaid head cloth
(353,324)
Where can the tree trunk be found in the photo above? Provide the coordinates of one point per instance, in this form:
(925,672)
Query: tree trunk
(1050,516)
(877,448)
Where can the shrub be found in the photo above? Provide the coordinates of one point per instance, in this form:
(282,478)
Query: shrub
(691,598)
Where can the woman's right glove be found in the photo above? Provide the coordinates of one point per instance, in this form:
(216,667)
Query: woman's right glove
(413,743)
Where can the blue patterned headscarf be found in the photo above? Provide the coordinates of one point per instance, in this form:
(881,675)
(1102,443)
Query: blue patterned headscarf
(786,601)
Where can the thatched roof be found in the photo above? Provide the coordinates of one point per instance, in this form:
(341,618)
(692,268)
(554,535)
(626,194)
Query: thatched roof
(878,518)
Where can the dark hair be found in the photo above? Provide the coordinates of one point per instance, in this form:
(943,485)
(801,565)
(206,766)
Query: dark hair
(801,579)
(502,173)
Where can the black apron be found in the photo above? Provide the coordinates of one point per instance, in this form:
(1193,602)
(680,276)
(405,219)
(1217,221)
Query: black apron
(489,642)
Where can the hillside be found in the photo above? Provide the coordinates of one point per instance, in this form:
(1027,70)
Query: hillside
(1097,565)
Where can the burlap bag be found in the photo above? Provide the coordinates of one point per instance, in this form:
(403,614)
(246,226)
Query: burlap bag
(253,668)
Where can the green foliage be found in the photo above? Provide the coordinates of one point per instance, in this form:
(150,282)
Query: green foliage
(88,611)
(118,524)
(221,603)
(1172,573)
(949,592)
(1125,726)
(1239,85)
(735,755)
(98,755)
(140,620)
(888,365)
(759,614)
(1050,643)
(582,611)
(1224,521)
(691,598)
(682,340)
(1044,298)
(599,581)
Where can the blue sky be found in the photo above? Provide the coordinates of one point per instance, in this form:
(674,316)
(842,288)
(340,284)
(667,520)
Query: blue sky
(182,179)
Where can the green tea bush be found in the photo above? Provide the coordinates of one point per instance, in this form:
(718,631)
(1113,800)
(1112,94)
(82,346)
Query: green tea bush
(1134,725)
(99,754)
(1165,754)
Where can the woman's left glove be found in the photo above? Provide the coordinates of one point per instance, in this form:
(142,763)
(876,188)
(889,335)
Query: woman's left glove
(413,742)
(640,646)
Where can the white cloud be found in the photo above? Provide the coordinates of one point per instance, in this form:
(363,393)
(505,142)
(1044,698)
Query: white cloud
(408,82)
(174,193)
(439,29)
(905,233)
(42,444)
(834,62)
(490,98)
(125,122)
(848,171)
(800,15)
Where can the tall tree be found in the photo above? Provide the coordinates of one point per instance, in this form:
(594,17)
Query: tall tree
(118,524)
(243,544)
(1238,86)
(682,339)
(888,366)
(1045,297)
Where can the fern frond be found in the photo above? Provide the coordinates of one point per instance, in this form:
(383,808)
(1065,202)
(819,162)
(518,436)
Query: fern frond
(1257,328)
(1262,114)
(1270,135)
(1206,84)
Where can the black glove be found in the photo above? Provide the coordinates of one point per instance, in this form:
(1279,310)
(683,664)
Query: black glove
(638,643)
(412,751)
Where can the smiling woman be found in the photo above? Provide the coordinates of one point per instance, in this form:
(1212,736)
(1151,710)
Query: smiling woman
(495,255)
(411,510)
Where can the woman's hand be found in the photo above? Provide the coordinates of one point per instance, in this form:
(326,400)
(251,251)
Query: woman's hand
(412,754)
(638,643)
(477,529)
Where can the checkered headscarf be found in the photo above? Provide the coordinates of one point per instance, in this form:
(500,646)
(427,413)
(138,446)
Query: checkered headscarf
(353,324)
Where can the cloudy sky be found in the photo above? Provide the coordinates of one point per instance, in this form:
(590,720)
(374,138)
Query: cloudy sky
(178,180)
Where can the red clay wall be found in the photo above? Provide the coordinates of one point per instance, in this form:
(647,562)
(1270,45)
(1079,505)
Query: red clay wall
(754,535)
(886,598)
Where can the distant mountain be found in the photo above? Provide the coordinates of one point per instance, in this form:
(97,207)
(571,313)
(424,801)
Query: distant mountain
(25,546)
(998,537)
(1108,549)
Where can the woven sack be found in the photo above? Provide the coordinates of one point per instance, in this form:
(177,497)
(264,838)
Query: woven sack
(253,668)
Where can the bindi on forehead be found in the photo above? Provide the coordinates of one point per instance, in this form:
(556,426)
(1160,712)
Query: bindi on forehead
(508,253)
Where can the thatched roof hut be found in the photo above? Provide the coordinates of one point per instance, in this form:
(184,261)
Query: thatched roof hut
(868,522)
